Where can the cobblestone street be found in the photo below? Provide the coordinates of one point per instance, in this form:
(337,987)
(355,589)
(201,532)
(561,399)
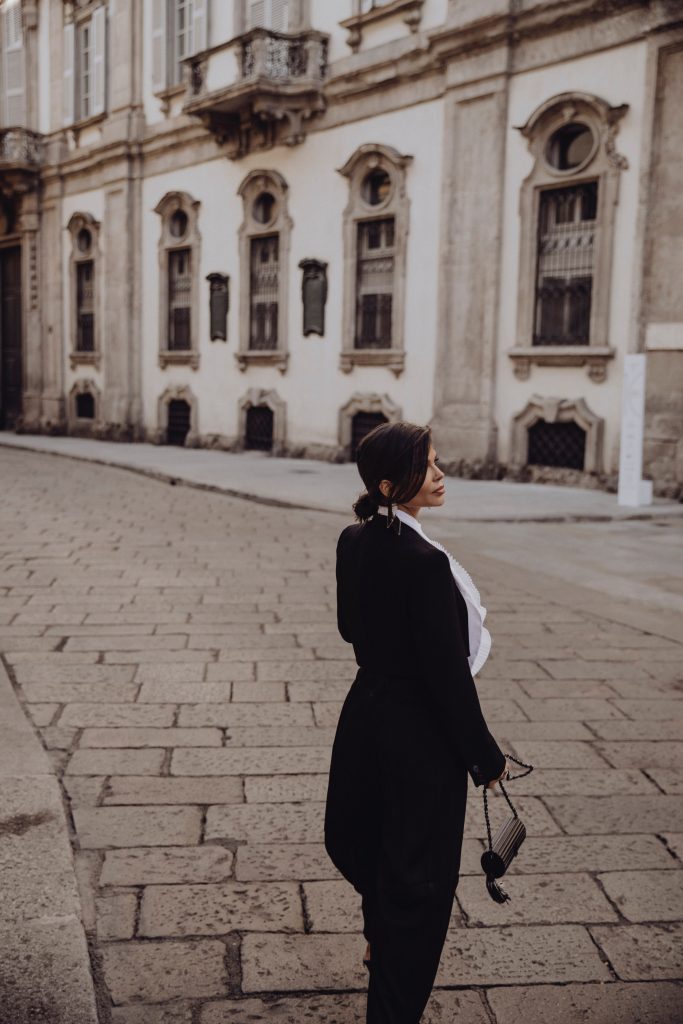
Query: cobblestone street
(179,654)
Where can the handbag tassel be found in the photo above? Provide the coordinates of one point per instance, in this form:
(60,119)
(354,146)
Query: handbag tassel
(496,892)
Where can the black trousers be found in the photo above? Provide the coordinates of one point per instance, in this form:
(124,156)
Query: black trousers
(394,822)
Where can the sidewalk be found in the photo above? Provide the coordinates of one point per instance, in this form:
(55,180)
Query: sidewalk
(45,966)
(331,487)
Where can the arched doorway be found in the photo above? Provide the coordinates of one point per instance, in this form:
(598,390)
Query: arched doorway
(259,428)
(178,421)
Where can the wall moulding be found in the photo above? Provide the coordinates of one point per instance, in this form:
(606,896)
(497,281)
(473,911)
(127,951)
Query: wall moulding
(594,357)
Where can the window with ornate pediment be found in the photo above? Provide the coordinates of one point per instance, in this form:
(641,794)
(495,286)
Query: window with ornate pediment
(375,242)
(264,240)
(567,212)
(84,287)
(179,250)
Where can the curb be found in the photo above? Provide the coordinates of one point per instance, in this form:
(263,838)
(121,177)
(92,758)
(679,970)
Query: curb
(45,965)
(259,499)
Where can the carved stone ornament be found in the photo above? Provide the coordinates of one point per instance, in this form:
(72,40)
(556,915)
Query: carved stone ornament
(219,303)
(314,295)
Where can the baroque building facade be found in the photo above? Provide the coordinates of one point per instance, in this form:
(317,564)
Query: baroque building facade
(273,224)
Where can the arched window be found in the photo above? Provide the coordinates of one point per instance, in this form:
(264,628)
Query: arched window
(375,241)
(567,219)
(85,349)
(264,278)
(179,251)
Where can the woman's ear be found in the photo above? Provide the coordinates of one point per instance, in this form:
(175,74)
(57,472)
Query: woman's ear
(386,487)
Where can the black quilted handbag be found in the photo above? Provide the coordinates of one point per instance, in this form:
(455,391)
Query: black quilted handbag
(504,846)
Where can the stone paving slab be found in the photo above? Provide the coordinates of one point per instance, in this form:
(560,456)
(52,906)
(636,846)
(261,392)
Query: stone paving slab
(645,895)
(102,827)
(443,1008)
(643,952)
(608,1003)
(604,814)
(128,790)
(536,899)
(215,909)
(172,865)
(152,971)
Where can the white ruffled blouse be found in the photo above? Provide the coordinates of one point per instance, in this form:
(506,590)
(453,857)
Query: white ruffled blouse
(479,636)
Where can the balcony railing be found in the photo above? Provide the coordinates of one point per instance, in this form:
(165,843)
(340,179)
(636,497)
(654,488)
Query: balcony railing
(259,89)
(21,156)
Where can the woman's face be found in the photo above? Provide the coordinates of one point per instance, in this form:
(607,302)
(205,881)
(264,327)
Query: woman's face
(432,494)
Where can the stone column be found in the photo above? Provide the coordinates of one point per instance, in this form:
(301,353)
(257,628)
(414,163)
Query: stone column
(30,312)
(117,344)
(661,320)
(474,149)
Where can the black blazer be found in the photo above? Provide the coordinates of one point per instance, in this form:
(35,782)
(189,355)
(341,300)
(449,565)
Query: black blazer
(399,605)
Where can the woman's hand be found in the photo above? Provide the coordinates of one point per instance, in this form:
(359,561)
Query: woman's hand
(503,775)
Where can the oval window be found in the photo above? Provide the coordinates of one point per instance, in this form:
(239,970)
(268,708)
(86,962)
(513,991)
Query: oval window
(178,224)
(264,207)
(376,187)
(569,147)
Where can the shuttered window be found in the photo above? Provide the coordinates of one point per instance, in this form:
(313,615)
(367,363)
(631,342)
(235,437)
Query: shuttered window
(14,100)
(374,283)
(179,299)
(272,14)
(179,29)
(84,67)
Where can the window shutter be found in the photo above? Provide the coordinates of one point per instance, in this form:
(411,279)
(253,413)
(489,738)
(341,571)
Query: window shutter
(200,25)
(279,15)
(159,45)
(257,13)
(68,73)
(15,106)
(99,49)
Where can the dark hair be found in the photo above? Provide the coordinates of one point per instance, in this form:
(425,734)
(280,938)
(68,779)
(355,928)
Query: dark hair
(393,451)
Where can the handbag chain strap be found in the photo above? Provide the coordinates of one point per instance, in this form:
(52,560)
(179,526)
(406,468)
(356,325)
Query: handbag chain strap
(520,775)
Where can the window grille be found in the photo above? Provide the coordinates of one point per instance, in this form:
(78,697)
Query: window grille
(85,406)
(178,421)
(557,444)
(85,67)
(182,37)
(566,253)
(264,285)
(85,306)
(361,424)
(259,435)
(179,299)
(374,283)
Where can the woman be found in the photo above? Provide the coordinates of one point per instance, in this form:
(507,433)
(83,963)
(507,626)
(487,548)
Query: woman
(411,727)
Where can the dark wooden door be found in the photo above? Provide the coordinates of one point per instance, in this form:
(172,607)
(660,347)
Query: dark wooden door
(10,337)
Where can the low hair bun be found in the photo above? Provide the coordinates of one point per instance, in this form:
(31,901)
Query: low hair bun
(366,506)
